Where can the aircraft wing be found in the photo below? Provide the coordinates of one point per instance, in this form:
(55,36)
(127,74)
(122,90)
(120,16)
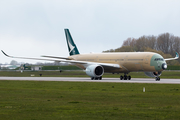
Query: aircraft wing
(62,59)
(177,56)
(55,57)
(86,63)
(29,58)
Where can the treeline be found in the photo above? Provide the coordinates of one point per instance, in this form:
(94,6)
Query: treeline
(165,44)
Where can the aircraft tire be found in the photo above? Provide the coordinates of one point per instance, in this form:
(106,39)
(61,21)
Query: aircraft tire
(129,77)
(125,77)
(121,77)
(157,78)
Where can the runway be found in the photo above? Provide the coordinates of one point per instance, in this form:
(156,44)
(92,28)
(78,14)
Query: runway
(80,79)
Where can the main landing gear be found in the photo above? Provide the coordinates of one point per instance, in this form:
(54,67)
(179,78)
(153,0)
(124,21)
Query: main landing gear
(125,77)
(96,78)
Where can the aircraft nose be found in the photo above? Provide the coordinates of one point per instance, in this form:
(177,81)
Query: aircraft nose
(164,66)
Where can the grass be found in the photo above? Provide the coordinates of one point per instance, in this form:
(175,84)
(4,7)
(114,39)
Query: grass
(71,67)
(60,68)
(173,67)
(77,73)
(36,100)
(44,73)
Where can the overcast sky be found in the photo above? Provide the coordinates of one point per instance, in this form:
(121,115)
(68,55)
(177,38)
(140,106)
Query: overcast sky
(33,28)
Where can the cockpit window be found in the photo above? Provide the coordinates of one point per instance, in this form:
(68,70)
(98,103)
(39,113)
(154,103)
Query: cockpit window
(158,59)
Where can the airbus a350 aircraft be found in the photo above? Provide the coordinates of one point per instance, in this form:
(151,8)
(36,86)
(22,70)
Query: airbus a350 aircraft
(95,65)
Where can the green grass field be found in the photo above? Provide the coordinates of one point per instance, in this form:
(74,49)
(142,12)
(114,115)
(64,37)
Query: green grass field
(38,100)
(71,67)
(80,73)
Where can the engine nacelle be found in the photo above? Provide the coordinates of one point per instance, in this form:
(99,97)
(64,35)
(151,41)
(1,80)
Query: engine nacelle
(153,74)
(95,71)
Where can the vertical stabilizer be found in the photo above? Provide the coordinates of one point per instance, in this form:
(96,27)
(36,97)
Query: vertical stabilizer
(71,45)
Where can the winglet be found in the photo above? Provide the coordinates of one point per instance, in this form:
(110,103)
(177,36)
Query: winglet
(177,56)
(5,53)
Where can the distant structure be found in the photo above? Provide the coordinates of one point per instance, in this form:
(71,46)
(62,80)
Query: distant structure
(23,67)
(36,68)
(9,67)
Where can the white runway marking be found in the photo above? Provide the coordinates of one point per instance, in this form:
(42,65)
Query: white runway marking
(80,79)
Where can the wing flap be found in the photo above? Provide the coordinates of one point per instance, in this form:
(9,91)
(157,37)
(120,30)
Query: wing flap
(56,57)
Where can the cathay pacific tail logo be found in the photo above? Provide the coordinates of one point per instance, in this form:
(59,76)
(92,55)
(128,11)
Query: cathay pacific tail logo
(71,47)
(70,43)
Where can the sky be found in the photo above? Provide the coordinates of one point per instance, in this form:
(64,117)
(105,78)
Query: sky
(31,28)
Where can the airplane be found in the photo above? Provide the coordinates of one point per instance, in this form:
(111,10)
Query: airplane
(96,64)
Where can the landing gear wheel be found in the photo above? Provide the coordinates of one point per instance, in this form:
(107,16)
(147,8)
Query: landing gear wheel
(125,77)
(157,78)
(129,77)
(96,78)
(121,77)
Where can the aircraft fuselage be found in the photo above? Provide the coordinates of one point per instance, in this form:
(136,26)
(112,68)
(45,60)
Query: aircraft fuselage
(128,61)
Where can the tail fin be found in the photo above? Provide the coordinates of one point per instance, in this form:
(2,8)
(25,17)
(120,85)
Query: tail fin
(71,45)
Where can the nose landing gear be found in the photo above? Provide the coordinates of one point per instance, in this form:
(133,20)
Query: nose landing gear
(157,79)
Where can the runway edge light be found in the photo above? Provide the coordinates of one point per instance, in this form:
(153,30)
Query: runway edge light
(144,89)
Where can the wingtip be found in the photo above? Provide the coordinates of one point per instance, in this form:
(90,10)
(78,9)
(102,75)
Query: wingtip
(4,53)
(177,55)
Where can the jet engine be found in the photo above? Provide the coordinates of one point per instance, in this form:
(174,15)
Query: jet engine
(95,71)
(153,74)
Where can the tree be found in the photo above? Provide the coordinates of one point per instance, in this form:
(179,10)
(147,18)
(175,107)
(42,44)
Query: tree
(13,62)
(163,42)
(127,42)
(166,44)
(152,42)
(124,49)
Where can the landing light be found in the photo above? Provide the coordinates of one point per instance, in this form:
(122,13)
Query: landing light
(164,66)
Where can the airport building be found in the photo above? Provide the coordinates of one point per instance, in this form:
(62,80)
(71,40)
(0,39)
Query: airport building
(36,68)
